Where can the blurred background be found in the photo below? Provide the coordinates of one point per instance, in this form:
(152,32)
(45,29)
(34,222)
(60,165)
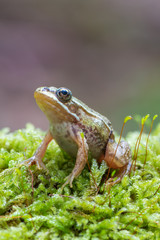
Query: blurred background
(106,51)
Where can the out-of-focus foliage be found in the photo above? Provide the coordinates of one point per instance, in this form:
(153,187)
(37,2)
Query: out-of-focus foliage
(33,206)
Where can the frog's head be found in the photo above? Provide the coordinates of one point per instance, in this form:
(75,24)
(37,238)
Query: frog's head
(57,104)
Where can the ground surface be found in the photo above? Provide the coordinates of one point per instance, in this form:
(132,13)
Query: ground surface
(33,206)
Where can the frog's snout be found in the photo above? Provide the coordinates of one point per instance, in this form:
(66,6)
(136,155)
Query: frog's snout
(45,89)
(42,89)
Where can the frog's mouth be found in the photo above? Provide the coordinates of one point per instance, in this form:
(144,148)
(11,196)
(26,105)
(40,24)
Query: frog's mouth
(52,107)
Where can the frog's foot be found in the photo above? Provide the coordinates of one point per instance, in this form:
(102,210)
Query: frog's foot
(110,182)
(123,171)
(69,179)
(34,161)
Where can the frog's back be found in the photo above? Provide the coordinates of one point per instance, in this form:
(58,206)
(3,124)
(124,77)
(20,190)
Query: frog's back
(84,111)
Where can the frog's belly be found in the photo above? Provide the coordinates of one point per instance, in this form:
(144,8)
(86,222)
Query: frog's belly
(63,138)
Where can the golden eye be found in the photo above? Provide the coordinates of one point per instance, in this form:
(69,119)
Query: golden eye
(64,94)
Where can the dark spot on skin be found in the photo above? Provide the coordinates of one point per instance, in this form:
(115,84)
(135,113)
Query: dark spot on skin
(84,130)
(109,123)
(111,135)
(73,109)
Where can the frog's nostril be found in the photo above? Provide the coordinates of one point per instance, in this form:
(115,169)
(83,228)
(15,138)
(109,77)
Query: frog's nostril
(45,89)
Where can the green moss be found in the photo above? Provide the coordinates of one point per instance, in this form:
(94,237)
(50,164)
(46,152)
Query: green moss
(130,211)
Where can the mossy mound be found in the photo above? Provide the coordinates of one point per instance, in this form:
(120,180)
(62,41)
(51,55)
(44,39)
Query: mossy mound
(33,206)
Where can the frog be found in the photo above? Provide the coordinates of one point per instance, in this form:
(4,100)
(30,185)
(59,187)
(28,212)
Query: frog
(80,131)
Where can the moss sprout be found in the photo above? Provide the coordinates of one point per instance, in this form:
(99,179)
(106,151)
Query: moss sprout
(33,205)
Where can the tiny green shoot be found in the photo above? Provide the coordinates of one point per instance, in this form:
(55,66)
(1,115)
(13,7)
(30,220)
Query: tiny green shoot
(154,117)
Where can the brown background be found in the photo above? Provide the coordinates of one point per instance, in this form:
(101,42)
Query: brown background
(106,52)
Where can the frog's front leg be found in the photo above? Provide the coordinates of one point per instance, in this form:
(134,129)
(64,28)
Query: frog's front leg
(118,156)
(39,154)
(81,159)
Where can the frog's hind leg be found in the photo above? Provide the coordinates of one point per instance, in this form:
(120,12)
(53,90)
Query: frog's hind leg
(39,154)
(81,160)
(118,177)
(118,156)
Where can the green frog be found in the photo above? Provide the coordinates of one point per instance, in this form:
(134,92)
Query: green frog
(79,130)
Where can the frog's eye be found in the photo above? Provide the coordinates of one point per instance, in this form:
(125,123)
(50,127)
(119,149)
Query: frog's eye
(64,94)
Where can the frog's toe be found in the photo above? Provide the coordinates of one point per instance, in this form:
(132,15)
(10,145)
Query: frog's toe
(34,161)
(110,182)
(69,181)
(64,184)
(40,165)
(29,162)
